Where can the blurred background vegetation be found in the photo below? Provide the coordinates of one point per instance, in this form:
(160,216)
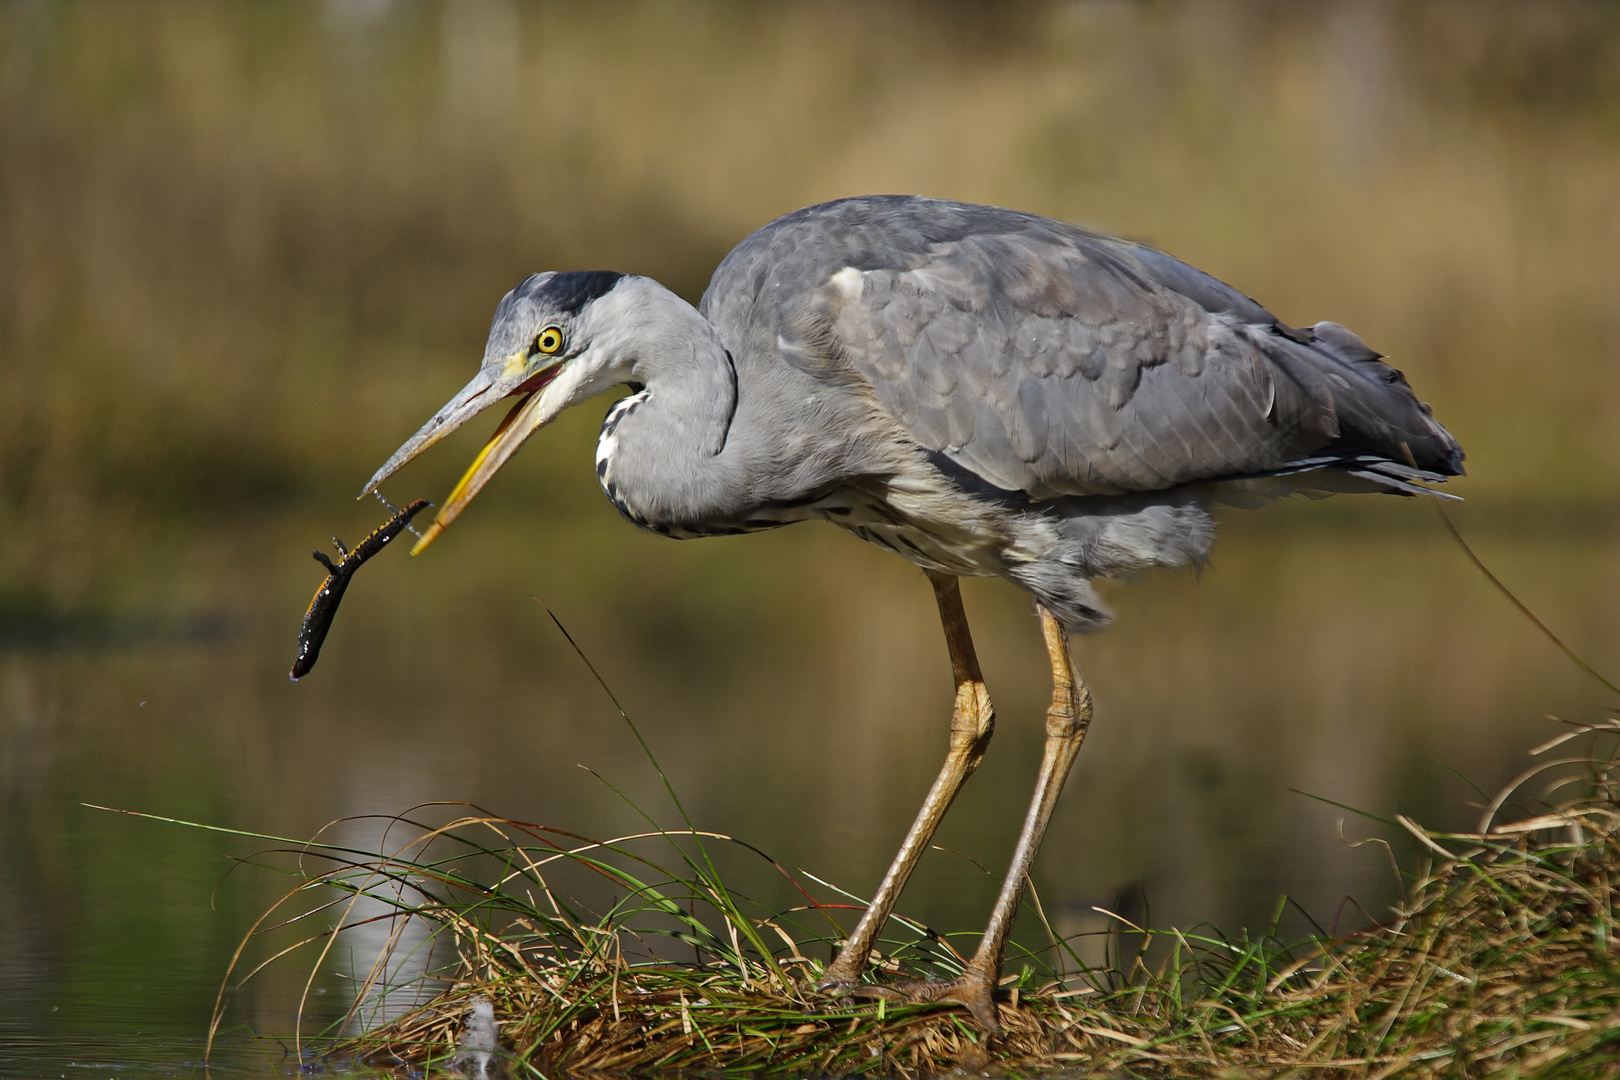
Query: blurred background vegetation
(246,249)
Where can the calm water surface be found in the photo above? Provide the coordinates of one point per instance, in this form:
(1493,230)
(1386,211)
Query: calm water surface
(244,252)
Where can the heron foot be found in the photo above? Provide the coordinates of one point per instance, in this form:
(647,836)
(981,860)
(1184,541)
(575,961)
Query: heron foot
(838,989)
(972,990)
(841,980)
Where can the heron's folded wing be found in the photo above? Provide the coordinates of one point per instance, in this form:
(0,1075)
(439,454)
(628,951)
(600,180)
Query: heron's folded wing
(1062,363)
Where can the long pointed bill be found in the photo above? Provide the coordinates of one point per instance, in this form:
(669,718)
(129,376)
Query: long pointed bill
(484,390)
(524,420)
(473,399)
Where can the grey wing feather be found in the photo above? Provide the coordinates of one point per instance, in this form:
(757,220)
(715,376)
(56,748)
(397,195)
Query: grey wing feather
(1055,362)
(1050,360)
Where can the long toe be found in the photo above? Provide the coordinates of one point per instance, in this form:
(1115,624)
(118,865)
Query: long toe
(833,986)
(973,990)
(874,991)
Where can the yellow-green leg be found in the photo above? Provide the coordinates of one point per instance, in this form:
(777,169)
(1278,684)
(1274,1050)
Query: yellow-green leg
(1066,724)
(972,722)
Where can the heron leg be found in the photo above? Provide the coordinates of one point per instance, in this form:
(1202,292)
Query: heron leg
(1066,724)
(972,721)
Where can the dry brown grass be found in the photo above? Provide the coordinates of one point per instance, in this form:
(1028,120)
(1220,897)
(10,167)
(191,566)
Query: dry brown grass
(1500,963)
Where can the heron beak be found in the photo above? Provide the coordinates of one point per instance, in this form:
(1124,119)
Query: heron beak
(484,390)
(525,418)
(473,399)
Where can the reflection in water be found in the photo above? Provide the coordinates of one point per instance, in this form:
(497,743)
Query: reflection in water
(243,250)
(386,956)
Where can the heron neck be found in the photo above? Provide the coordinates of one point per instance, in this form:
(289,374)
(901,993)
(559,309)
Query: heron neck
(690,379)
(662,455)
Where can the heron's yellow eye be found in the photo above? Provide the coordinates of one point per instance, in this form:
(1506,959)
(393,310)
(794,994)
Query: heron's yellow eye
(548,340)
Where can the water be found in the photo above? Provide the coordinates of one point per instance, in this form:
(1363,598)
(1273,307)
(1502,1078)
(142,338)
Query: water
(242,255)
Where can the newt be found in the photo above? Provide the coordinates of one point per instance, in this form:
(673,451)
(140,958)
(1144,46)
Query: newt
(323,607)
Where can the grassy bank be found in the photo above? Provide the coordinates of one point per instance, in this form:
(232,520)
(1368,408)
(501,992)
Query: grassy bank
(1499,962)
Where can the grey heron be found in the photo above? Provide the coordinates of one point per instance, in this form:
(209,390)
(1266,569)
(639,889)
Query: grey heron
(978,390)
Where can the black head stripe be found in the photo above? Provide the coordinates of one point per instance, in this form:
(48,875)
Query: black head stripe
(569,292)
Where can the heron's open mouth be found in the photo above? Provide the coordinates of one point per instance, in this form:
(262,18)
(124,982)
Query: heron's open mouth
(536,382)
(520,422)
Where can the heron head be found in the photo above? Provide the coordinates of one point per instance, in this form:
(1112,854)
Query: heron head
(539,352)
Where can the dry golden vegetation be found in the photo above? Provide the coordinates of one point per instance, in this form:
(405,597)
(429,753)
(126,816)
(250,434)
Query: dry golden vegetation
(1501,962)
